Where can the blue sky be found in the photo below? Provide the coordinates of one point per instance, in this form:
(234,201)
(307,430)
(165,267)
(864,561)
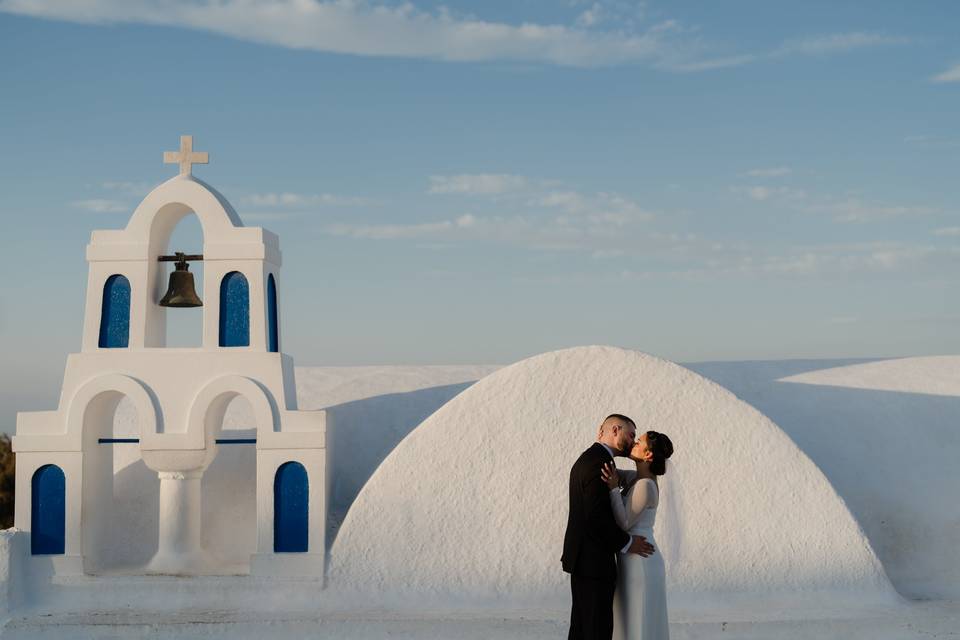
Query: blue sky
(479,182)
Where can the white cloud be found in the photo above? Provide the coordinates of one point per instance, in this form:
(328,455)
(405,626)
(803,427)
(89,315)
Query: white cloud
(713,63)
(849,209)
(857,210)
(365,27)
(947,232)
(839,43)
(706,262)
(927,141)
(294,200)
(102,205)
(401,231)
(770,172)
(950,75)
(269,216)
(761,193)
(473,184)
(388,29)
(591,16)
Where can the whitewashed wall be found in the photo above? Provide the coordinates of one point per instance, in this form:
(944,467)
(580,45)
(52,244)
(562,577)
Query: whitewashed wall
(473,503)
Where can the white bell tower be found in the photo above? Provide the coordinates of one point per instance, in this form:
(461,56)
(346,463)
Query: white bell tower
(64,459)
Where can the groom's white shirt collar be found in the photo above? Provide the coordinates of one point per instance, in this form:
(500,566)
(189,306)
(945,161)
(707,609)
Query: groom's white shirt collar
(609,450)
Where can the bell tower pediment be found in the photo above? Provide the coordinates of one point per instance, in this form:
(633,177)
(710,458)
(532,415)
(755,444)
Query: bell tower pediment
(239,264)
(148,231)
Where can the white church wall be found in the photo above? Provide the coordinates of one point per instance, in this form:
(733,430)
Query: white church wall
(267,563)
(475,498)
(71,463)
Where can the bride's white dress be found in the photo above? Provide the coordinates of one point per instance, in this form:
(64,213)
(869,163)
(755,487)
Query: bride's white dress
(640,602)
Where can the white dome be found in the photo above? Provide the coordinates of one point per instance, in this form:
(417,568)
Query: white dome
(473,503)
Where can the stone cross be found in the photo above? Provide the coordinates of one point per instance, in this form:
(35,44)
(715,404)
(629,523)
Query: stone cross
(186,157)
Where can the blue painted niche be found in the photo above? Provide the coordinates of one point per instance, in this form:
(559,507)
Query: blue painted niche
(234,310)
(115,313)
(47,511)
(272,327)
(290,508)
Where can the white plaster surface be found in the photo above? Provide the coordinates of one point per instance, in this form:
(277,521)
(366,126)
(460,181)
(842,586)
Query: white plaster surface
(847,416)
(934,375)
(375,408)
(914,621)
(886,435)
(472,504)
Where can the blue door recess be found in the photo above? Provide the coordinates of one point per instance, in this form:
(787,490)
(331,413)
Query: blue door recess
(290,507)
(48,511)
(115,313)
(274,331)
(234,310)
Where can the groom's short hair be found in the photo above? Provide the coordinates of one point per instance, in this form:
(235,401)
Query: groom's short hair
(619,416)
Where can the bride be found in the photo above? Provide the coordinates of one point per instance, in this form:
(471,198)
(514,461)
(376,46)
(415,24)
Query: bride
(640,603)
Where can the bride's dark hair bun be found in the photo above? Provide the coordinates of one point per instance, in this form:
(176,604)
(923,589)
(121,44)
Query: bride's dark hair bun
(662,448)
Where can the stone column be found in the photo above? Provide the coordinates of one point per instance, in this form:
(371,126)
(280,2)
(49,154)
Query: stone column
(179,549)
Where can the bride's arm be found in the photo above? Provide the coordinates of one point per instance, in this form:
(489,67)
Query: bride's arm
(640,497)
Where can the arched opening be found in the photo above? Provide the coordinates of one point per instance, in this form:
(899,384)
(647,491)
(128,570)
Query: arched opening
(234,310)
(184,325)
(120,496)
(115,313)
(229,487)
(290,509)
(273,327)
(48,511)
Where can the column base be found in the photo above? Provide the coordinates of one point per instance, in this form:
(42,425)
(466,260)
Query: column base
(191,563)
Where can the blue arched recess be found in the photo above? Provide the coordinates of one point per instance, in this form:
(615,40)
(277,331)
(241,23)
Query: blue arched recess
(234,310)
(47,511)
(115,313)
(274,330)
(290,508)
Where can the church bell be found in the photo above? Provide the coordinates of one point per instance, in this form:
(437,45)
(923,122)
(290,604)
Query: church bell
(181,291)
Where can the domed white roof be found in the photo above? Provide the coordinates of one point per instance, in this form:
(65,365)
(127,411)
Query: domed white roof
(473,502)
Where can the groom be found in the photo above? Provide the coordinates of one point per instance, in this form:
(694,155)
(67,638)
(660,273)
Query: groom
(593,538)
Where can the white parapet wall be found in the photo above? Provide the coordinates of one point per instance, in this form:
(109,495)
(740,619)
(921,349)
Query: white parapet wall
(11,542)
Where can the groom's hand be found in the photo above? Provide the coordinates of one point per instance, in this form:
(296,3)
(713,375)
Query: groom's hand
(641,547)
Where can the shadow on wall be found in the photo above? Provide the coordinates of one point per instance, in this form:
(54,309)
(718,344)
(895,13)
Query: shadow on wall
(892,457)
(135,513)
(229,488)
(228,504)
(366,431)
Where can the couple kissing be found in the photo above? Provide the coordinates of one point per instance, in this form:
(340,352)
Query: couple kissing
(617,576)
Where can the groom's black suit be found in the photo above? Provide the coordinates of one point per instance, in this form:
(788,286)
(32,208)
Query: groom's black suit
(589,548)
